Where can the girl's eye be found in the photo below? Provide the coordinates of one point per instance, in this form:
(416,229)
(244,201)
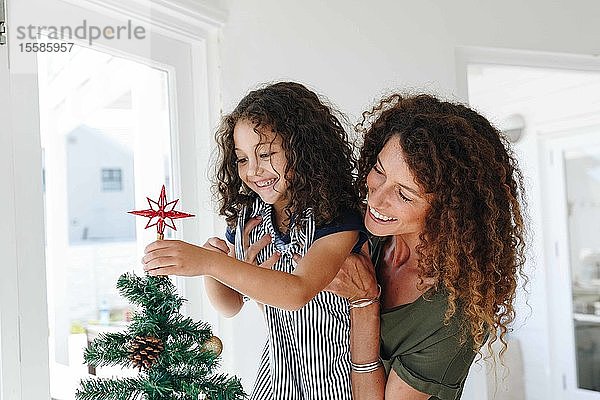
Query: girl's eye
(265,155)
(241,160)
(377,169)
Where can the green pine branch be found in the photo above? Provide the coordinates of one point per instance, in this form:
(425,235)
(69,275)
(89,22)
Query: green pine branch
(108,349)
(149,324)
(185,327)
(150,292)
(221,387)
(217,387)
(191,357)
(110,389)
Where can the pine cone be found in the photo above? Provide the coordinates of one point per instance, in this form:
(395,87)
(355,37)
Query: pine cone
(144,351)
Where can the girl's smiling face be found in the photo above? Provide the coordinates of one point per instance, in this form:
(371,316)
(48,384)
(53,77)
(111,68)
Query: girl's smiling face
(261,163)
(396,203)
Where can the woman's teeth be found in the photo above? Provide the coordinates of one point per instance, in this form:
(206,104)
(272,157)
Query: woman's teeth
(266,183)
(380,216)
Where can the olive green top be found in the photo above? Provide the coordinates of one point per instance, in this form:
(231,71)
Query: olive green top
(420,348)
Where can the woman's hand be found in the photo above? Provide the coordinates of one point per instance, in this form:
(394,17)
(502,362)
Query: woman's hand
(174,257)
(356,278)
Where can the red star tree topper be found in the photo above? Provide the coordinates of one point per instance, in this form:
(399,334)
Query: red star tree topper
(161,214)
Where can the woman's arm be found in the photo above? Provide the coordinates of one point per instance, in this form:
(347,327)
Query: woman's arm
(364,348)
(279,289)
(356,279)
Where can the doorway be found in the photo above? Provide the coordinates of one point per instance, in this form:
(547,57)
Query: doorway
(552,118)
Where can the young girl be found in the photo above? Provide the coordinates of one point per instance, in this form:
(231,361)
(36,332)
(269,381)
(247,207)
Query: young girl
(286,188)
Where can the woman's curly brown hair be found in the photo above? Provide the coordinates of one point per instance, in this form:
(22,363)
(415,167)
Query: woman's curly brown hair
(320,162)
(473,239)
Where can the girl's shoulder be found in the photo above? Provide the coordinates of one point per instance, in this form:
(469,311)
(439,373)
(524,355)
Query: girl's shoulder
(348,220)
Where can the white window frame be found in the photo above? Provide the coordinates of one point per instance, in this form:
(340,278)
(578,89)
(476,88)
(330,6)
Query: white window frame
(23,309)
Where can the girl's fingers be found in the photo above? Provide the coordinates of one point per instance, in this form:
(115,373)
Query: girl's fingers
(157,254)
(271,261)
(256,247)
(161,244)
(251,224)
(161,272)
(159,262)
(217,244)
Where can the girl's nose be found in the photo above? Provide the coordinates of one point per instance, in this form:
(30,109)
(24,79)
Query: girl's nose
(254,169)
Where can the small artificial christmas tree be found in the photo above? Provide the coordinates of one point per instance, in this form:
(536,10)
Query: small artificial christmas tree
(176,356)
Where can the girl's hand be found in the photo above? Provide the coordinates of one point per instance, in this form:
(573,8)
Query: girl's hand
(253,250)
(174,257)
(216,244)
(356,278)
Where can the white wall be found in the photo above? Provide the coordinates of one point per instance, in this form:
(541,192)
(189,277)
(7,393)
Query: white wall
(354,51)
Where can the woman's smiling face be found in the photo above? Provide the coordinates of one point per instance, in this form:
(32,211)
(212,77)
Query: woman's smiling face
(396,203)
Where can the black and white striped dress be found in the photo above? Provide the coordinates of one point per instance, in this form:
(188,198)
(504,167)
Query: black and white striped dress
(307,354)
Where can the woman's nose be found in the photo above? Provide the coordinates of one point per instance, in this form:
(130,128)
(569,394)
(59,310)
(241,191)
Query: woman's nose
(378,196)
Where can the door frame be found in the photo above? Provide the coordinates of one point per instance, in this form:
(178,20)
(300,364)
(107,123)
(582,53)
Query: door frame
(555,384)
(553,144)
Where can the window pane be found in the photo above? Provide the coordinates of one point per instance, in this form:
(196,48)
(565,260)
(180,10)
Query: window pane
(111,180)
(106,143)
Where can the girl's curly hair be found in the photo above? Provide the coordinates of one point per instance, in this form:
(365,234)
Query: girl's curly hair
(473,239)
(320,162)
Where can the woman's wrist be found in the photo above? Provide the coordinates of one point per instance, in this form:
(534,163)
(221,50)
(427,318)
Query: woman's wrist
(366,367)
(366,301)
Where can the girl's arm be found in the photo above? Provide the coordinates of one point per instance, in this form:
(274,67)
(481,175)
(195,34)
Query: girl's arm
(356,280)
(227,301)
(279,289)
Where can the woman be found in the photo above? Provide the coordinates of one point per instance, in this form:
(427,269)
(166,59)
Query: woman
(444,199)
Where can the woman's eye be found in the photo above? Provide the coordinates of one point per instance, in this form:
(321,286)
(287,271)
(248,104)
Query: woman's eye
(403,197)
(265,155)
(376,169)
(240,160)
